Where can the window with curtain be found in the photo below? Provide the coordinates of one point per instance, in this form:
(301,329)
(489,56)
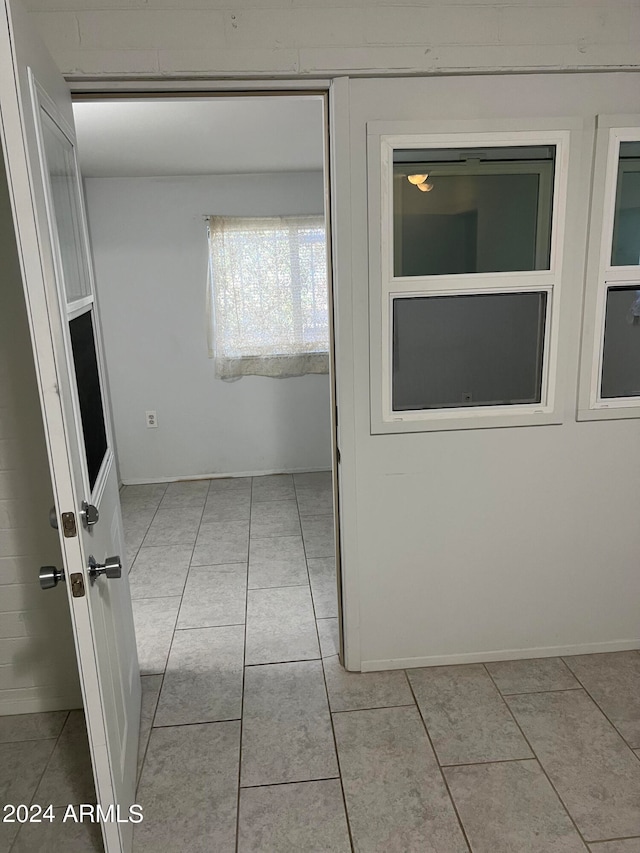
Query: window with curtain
(268,300)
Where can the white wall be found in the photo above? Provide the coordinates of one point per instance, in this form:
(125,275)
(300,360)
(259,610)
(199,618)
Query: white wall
(150,253)
(485,543)
(248,37)
(38,670)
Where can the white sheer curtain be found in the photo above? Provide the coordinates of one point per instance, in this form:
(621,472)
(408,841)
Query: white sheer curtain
(267,296)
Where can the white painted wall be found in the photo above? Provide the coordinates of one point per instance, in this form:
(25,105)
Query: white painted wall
(253,37)
(150,252)
(487,543)
(38,670)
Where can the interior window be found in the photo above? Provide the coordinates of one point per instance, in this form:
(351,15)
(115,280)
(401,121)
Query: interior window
(625,250)
(63,182)
(468,350)
(461,211)
(621,355)
(85,362)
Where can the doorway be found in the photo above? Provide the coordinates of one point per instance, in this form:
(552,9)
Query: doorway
(228,495)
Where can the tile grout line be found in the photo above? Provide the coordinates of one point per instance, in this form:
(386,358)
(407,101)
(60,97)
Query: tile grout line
(48,762)
(146,531)
(496,761)
(198,723)
(173,636)
(294,782)
(244,673)
(41,777)
(534,753)
(375,707)
(166,486)
(280,662)
(597,704)
(153,716)
(439,766)
(618,838)
(324,679)
(280,585)
(537,692)
(205,627)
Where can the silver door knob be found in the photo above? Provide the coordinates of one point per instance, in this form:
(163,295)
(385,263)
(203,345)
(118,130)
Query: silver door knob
(112,568)
(50,576)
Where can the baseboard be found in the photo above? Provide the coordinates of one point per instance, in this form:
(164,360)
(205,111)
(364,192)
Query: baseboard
(507,654)
(147,481)
(41,703)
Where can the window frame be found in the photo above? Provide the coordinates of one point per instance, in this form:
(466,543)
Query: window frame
(601,274)
(73,307)
(383,139)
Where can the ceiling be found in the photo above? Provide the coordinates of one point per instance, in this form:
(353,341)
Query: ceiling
(199,136)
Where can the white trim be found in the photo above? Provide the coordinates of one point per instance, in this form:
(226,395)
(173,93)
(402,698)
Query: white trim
(601,275)
(383,139)
(180,85)
(102,477)
(506,654)
(78,307)
(338,172)
(42,102)
(42,700)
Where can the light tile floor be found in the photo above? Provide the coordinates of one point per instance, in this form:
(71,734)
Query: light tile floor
(255,740)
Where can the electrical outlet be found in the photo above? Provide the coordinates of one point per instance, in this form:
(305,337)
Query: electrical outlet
(152,420)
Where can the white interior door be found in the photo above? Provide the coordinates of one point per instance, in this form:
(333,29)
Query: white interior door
(39,148)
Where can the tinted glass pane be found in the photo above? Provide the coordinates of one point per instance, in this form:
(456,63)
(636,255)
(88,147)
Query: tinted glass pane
(621,359)
(473,211)
(479,350)
(89,392)
(61,166)
(625,249)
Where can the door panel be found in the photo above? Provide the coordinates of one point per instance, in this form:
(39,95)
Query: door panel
(39,148)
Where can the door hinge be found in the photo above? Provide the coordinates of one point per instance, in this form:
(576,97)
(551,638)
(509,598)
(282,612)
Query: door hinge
(69,525)
(77,585)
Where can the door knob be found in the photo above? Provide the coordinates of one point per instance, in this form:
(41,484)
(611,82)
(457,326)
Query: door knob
(50,576)
(112,568)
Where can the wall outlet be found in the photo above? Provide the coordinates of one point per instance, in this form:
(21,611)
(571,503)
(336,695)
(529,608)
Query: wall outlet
(152,420)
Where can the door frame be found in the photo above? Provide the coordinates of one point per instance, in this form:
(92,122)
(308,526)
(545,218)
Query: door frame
(23,58)
(336,171)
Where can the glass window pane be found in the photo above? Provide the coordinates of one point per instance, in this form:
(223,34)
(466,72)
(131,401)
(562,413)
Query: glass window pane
(85,361)
(472,210)
(625,250)
(61,167)
(621,358)
(468,350)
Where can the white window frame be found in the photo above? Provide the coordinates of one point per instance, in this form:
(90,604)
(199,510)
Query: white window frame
(383,139)
(42,103)
(601,275)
